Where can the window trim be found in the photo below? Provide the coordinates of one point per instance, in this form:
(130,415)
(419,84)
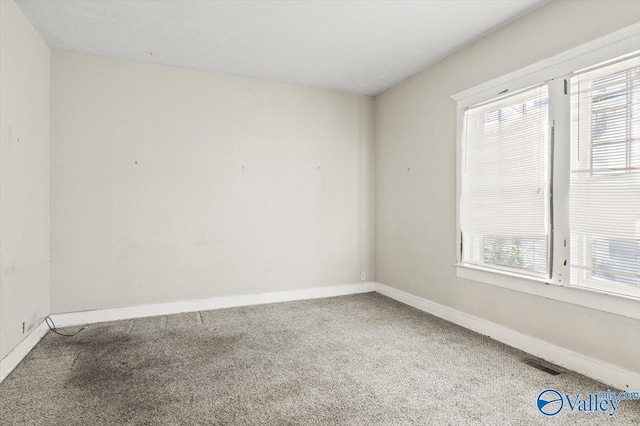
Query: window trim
(589,298)
(553,70)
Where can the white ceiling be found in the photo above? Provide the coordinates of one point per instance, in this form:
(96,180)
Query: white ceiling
(354,46)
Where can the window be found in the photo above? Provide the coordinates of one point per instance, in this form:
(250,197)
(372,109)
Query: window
(505,183)
(549,178)
(605,177)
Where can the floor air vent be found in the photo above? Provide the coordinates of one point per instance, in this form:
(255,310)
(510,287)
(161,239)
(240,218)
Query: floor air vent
(535,364)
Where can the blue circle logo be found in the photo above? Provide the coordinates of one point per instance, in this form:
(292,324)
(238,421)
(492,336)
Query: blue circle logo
(550,402)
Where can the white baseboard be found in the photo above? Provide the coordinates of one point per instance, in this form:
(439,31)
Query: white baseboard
(140,311)
(602,371)
(13,358)
(596,369)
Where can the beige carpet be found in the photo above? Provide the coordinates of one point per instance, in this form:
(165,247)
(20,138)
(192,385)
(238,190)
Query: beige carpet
(362,359)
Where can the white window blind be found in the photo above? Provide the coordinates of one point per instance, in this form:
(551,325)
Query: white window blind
(605,178)
(504,207)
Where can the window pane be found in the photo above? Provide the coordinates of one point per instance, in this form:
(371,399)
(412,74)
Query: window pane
(611,257)
(505,184)
(609,158)
(528,254)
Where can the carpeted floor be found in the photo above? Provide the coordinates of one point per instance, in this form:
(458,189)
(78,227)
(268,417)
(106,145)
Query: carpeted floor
(361,359)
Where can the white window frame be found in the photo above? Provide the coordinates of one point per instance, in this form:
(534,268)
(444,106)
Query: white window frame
(554,71)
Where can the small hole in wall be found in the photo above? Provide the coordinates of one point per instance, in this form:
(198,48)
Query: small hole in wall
(408,169)
(136,162)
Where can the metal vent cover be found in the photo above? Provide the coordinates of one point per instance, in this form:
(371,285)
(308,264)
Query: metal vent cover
(536,364)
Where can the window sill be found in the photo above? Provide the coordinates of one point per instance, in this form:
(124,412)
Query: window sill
(615,304)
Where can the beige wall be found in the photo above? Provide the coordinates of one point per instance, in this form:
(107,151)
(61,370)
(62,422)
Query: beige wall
(24,177)
(416,208)
(170,184)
